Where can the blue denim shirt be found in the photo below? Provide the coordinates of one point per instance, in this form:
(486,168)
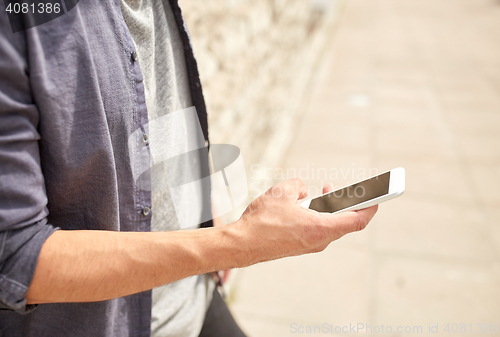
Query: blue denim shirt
(71,93)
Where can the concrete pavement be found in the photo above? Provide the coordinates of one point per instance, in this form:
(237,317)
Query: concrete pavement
(412,83)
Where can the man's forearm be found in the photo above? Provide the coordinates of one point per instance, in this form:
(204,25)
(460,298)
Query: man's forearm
(82,266)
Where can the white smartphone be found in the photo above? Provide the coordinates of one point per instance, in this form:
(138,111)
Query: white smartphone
(366,193)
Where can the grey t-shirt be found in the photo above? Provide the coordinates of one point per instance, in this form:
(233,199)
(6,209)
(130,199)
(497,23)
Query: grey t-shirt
(178,308)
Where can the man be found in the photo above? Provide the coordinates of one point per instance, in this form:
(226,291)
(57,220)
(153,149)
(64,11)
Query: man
(81,242)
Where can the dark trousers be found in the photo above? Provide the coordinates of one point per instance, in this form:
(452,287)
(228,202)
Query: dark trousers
(219,322)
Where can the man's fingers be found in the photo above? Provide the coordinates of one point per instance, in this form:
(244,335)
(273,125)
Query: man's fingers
(294,190)
(327,188)
(348,222)
(302,191)
(225,275)
(368,213)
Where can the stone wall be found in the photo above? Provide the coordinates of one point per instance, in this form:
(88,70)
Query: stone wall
(255,59)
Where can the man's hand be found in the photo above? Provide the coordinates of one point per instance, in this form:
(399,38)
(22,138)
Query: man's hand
(84,266)
(275,225)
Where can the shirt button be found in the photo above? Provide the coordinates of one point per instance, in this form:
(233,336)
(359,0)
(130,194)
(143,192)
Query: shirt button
(146,210)
(145,138)
(134,56)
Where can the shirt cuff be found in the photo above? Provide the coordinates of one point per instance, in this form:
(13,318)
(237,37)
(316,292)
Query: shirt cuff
(20,251)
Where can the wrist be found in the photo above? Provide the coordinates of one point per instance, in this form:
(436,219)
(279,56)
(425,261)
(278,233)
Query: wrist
(236,245)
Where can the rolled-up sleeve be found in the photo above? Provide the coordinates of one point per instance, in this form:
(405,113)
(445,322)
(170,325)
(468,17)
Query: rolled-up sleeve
(23,200)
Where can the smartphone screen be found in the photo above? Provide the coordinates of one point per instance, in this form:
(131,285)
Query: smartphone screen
(352,195)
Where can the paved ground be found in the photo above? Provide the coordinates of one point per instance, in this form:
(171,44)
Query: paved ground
(412,83)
